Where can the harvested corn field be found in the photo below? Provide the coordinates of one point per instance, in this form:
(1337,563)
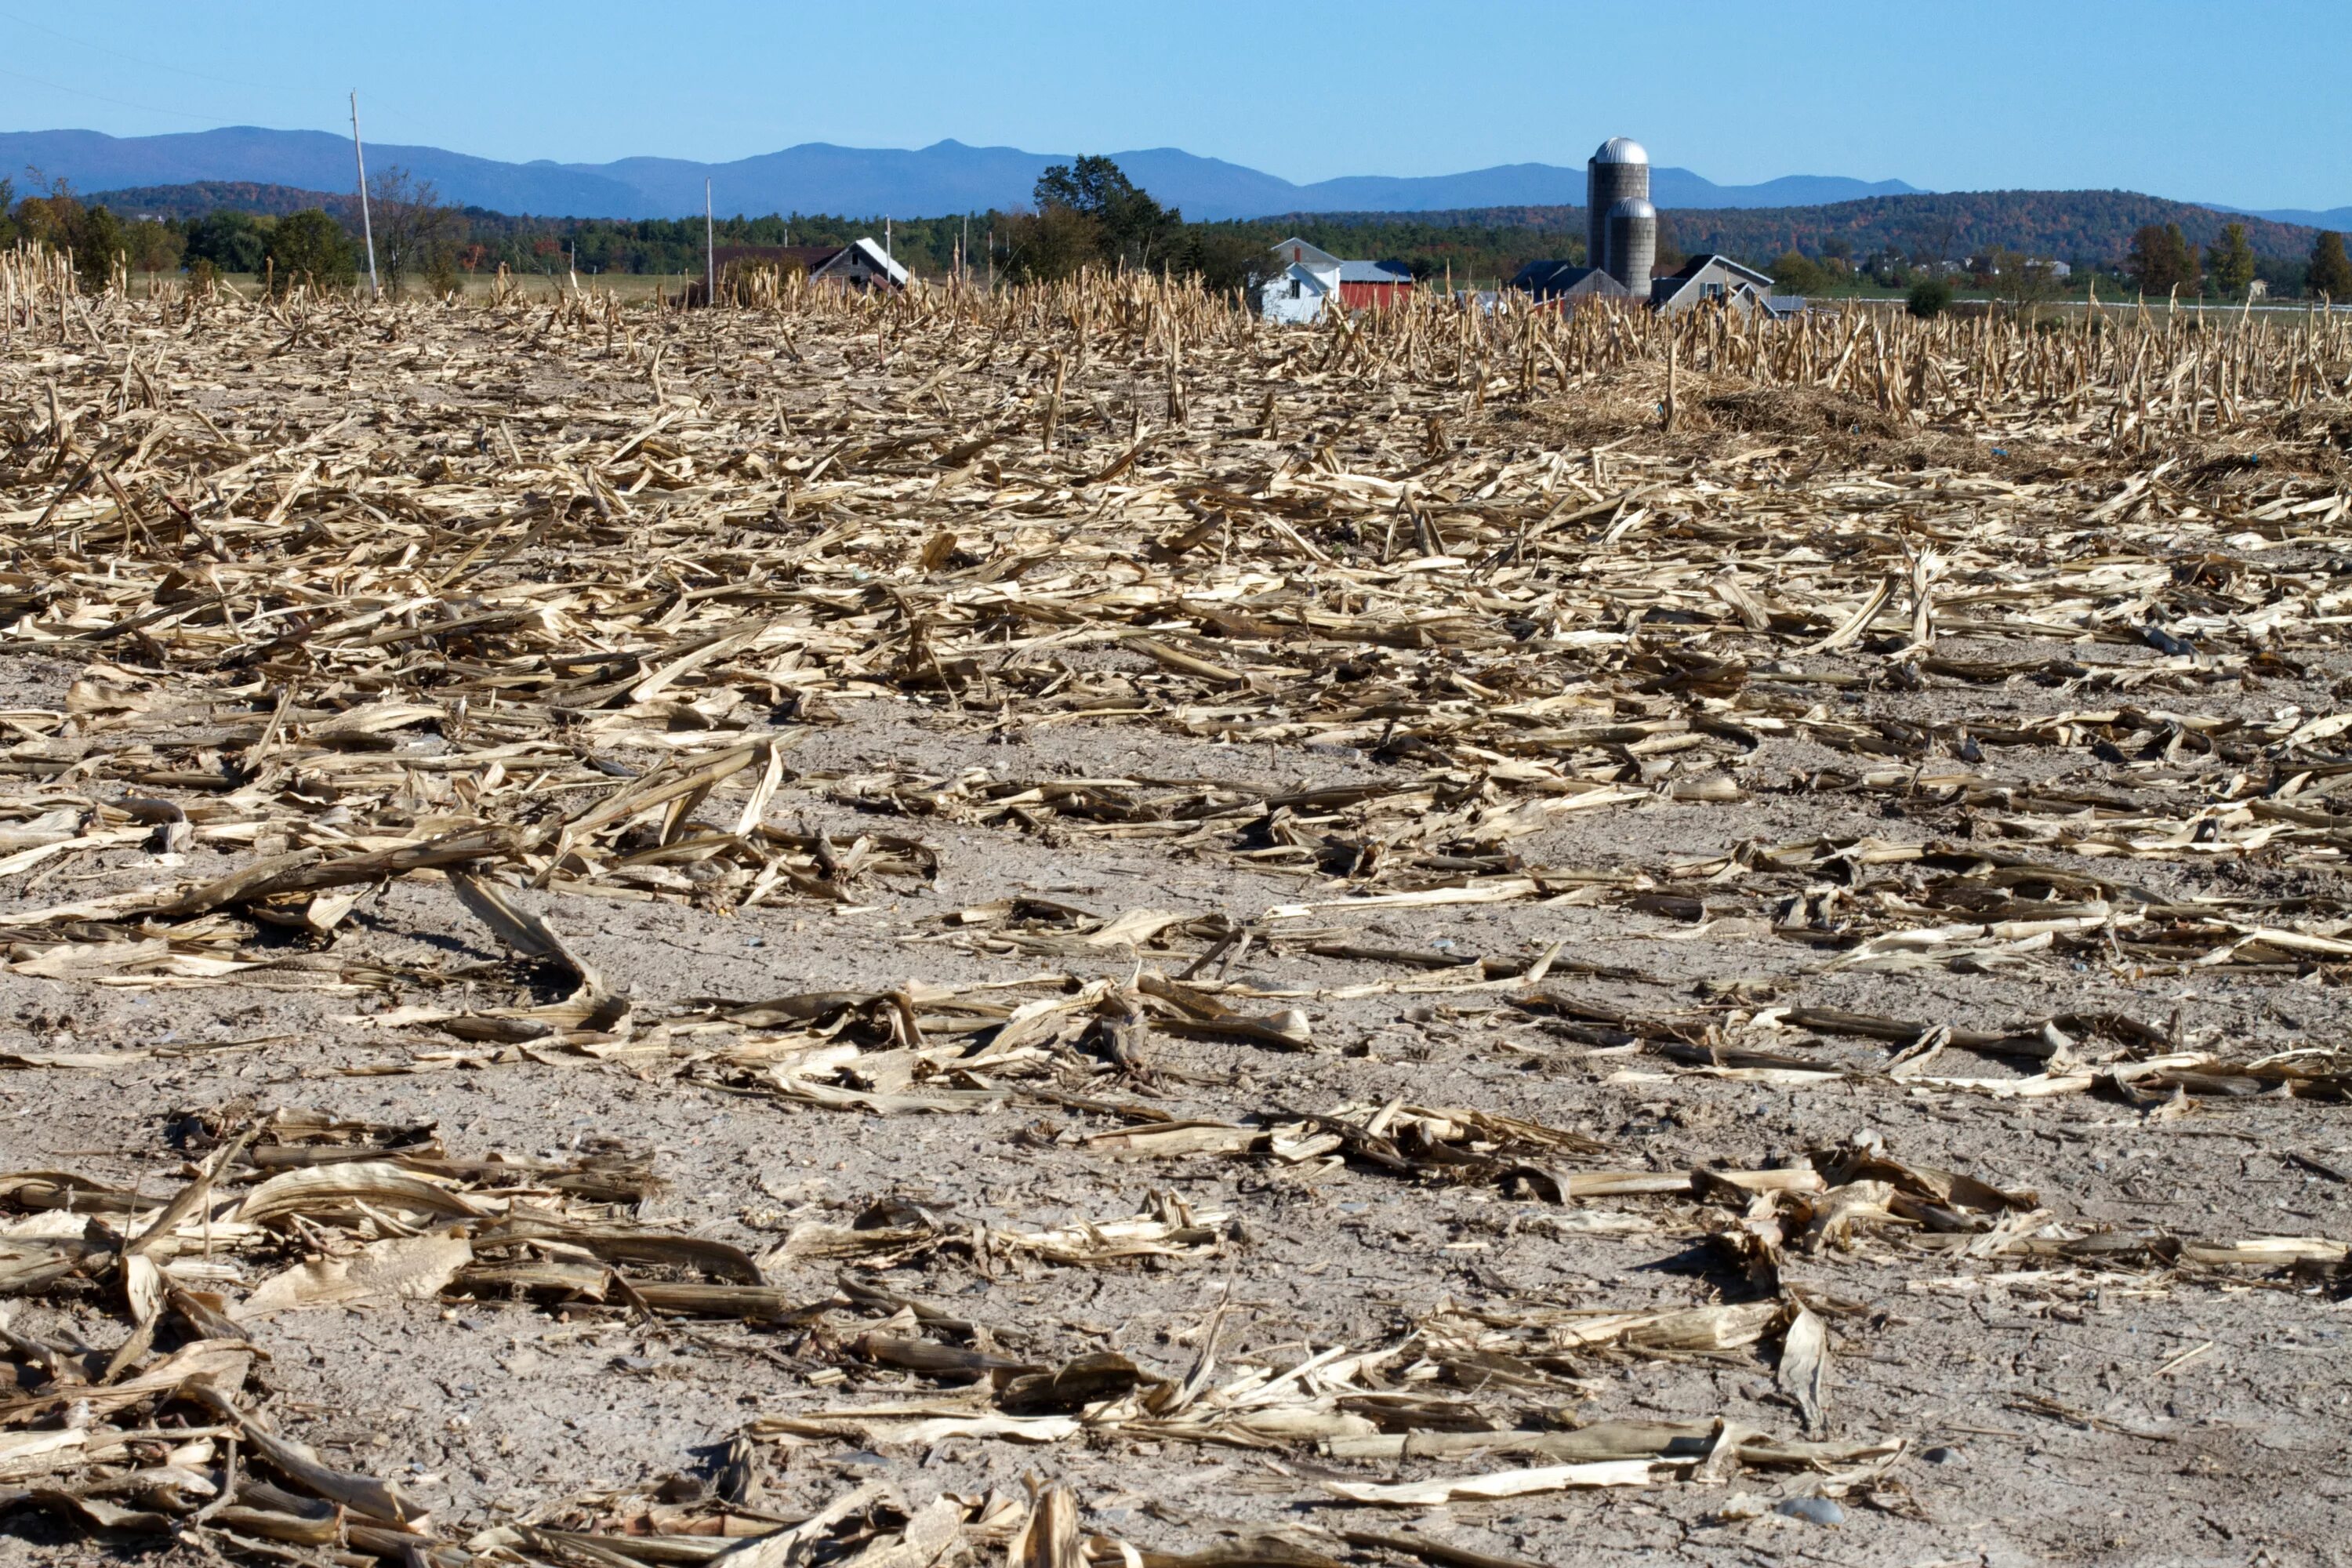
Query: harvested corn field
(1058,926)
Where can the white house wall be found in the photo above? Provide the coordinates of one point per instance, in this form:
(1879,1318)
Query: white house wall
(1298,295)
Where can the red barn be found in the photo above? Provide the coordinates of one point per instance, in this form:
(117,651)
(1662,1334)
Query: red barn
(1373,285)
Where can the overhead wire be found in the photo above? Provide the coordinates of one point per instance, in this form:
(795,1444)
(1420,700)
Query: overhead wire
(134,60)
(118,102)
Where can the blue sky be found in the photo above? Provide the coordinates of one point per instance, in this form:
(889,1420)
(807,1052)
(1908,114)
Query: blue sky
(2245,104)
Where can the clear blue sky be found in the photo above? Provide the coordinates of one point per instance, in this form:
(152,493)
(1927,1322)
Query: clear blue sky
(2245,103)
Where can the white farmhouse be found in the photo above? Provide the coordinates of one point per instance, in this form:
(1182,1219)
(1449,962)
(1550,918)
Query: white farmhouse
(1307,282)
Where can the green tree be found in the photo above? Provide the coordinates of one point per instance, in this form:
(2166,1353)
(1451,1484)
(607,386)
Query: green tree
(1224,259)
(229,241)
(1929,298)
(2330,273)
(308,247)
(1797,274)
(1135,230)
(2229,261)
(154,246)
(1050,244)
(98,241)
(2161,260)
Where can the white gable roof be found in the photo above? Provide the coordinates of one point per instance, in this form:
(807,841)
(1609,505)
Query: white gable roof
(1295,250)
(881,261)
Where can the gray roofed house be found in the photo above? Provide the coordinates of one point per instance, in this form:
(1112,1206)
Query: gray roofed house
(1566,282)
(1733,284)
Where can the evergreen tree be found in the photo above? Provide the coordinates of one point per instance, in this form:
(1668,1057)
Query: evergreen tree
(2331,273)
(2161,260)
(2229,260)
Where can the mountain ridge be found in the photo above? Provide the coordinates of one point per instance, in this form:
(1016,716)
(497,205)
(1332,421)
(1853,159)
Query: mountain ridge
(947,176)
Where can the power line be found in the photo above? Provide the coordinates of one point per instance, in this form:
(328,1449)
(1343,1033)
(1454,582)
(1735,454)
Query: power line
(117,102)
(134,60)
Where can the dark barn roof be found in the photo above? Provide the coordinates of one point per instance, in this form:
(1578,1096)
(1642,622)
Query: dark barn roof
(788,257)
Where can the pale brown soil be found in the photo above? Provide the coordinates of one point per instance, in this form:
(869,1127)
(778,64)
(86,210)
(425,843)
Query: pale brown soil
(2052,1409)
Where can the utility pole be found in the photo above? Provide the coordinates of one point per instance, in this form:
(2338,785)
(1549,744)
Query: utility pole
(709,251)
(885,236)
(367,224)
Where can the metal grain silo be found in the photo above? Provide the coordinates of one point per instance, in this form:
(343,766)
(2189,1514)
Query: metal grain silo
(1620,170)
(1632,236)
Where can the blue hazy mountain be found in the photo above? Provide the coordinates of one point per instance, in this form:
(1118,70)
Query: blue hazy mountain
(818,177)
(2334,217)
(313,160)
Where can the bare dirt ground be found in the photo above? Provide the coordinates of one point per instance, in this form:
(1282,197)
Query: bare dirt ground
(1062,927)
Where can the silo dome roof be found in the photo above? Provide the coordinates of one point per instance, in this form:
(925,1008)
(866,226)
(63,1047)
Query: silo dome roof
(1632,207)
(1621,150)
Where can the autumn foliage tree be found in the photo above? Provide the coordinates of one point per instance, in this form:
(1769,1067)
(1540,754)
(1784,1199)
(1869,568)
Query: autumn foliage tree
(59,219)
(413,230)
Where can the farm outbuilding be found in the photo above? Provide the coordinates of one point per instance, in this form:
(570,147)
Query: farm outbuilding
(1374,285)
(860,264)
(1566,285)
(1622,243)
(1621,234)
(1308,277)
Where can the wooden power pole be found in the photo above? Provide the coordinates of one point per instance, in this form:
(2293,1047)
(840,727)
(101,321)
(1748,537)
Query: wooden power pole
(367,224)
(709,250)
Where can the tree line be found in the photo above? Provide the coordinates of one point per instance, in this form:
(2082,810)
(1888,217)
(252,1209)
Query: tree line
(1084,214)
(416,237)
(1880,241)
(1089,214)
(2163,261)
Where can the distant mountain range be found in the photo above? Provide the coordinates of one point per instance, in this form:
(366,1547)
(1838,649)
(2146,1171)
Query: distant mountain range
(2334,217)
(944,178)
(818,177)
